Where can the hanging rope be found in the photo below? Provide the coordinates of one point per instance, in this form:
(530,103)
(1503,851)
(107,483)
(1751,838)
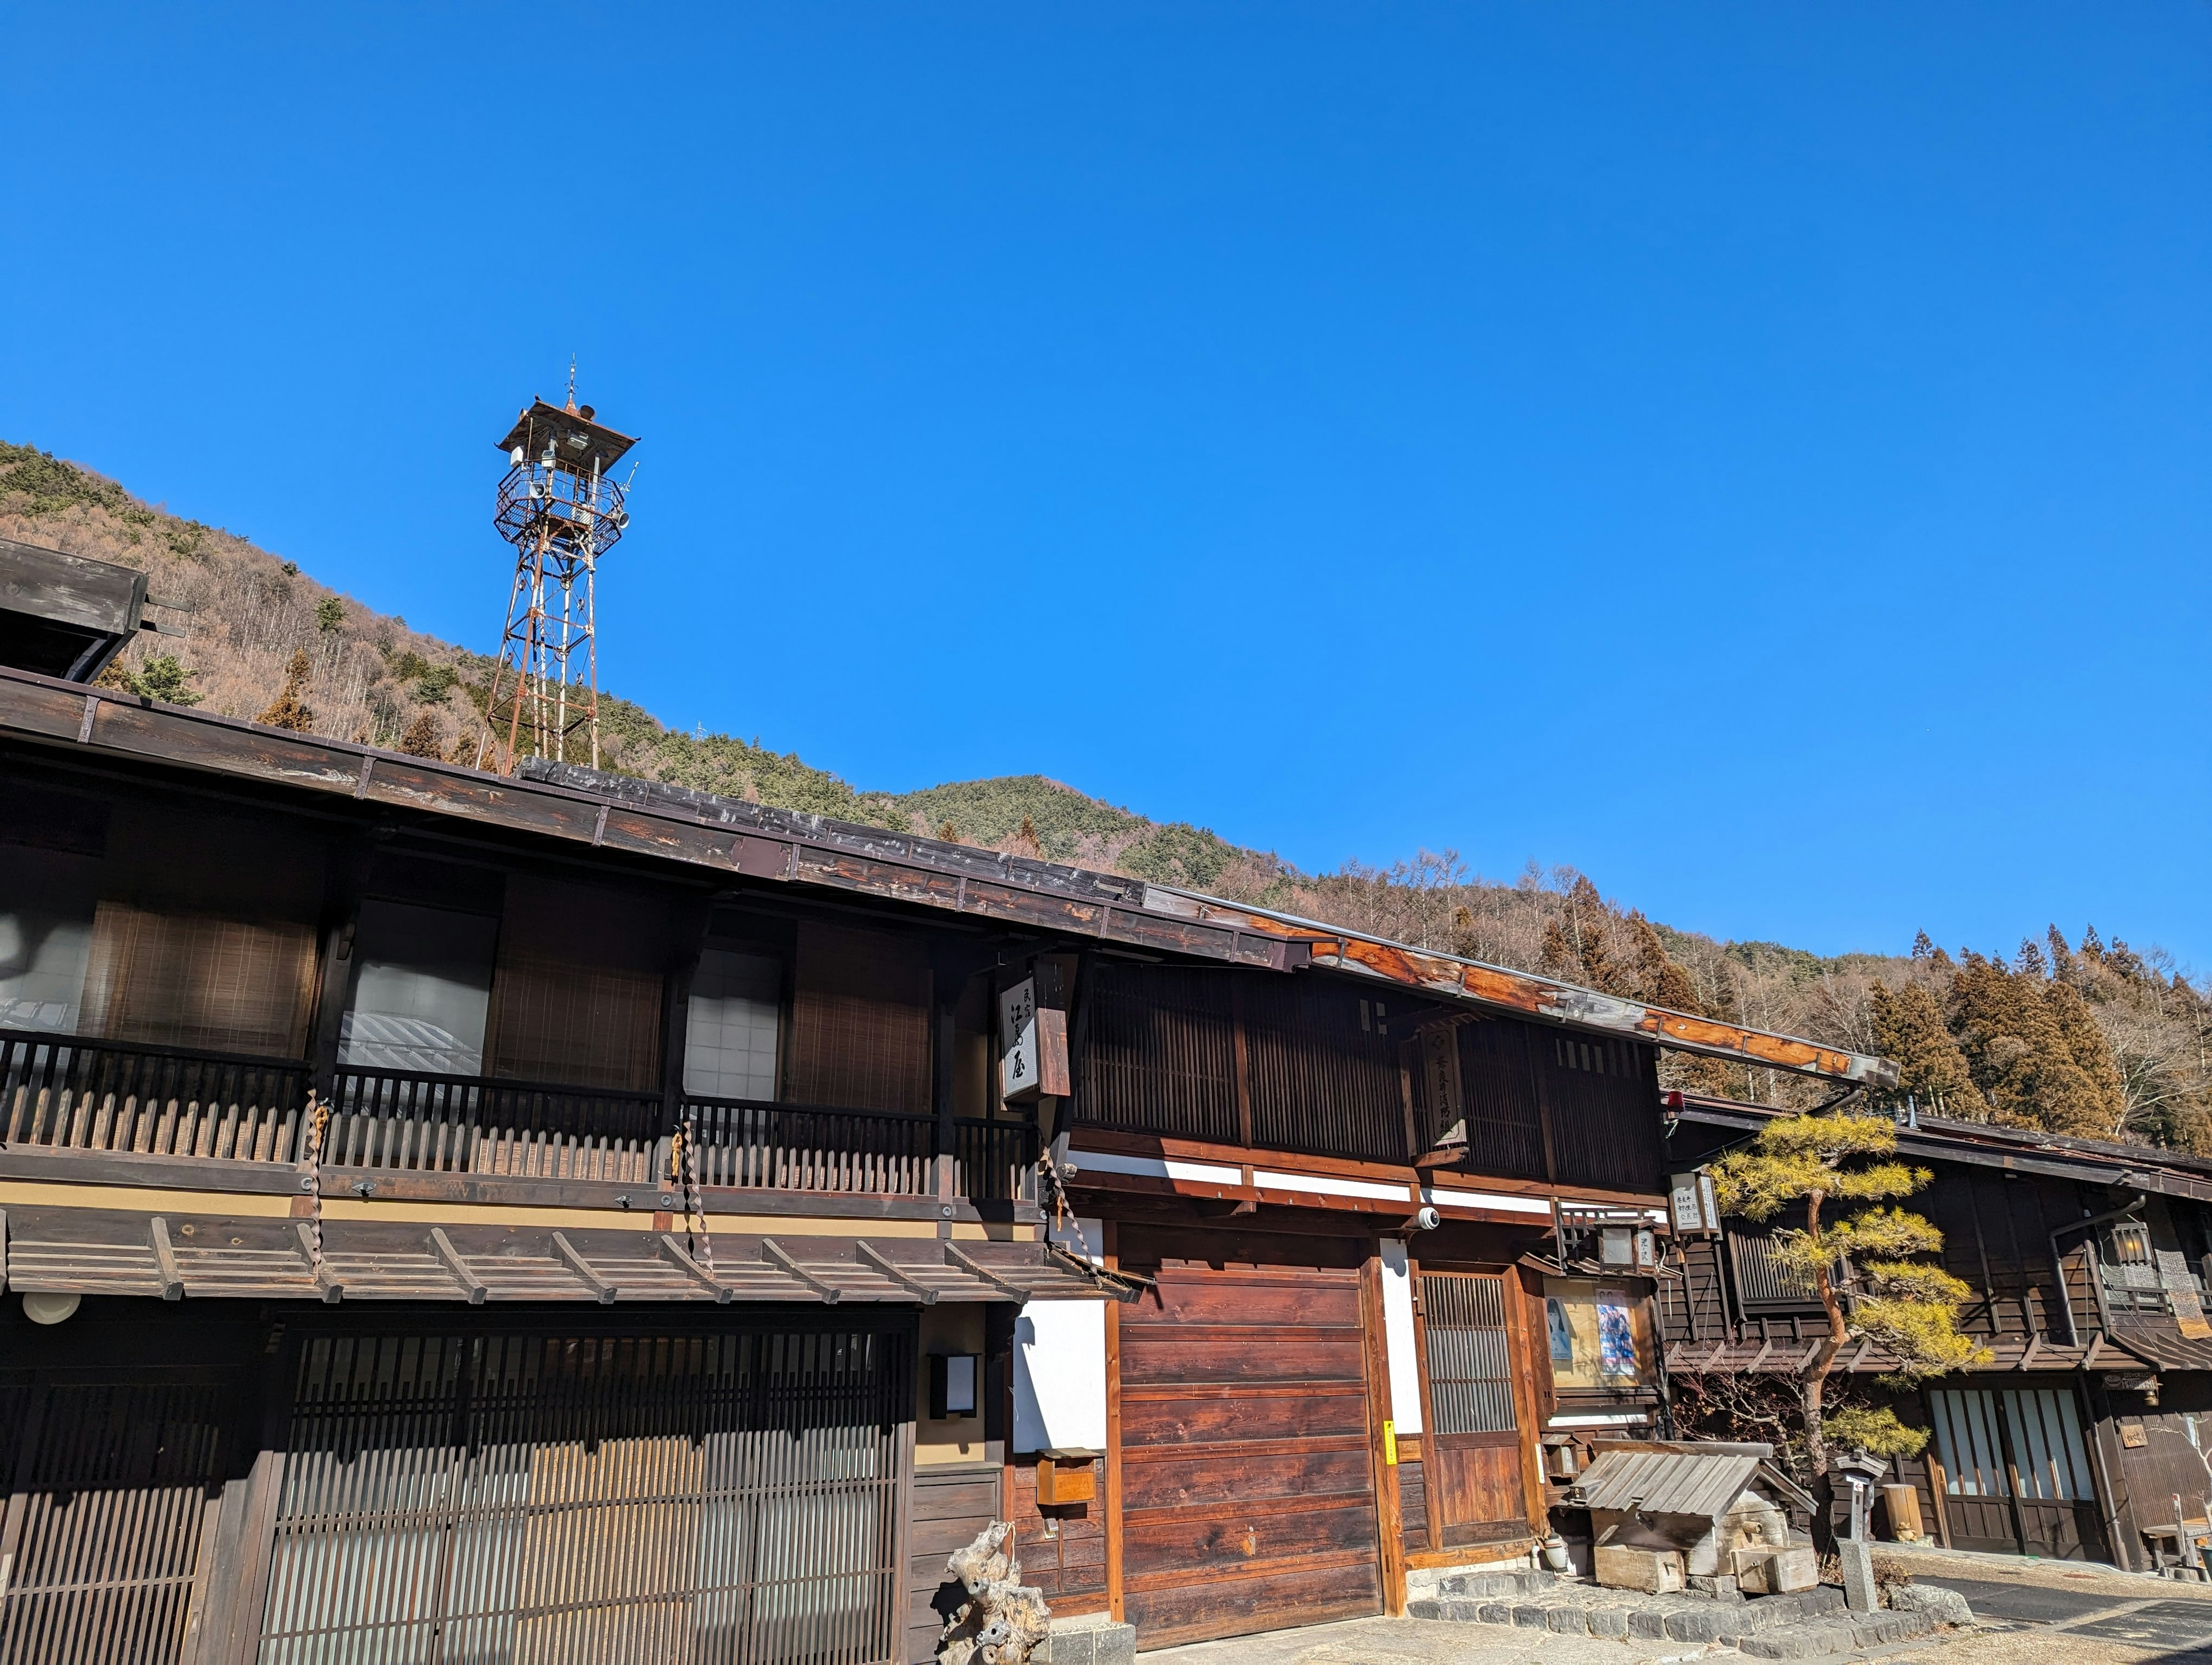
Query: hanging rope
(318,1119)
(684,1171)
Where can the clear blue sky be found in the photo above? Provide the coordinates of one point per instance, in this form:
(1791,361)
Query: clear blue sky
(1757,453)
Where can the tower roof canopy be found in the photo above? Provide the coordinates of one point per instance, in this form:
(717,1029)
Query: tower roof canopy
(578,440)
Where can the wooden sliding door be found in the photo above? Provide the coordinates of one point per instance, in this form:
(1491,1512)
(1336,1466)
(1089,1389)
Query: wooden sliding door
(1249,1492)
(514,1498)
(111,1490)
(1472,1448)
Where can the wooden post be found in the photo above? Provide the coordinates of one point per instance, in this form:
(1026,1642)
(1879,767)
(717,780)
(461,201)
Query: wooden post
(1430,1466)
(1937,1480)
(1110,1251)
(941,1089)
(1521,1362)
(1389,1519)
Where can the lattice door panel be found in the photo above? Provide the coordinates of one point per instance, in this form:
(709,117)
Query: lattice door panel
(110,1492)
(514,1499)
(1473,1463)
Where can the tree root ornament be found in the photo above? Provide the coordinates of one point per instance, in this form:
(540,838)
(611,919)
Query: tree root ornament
(1003,1619)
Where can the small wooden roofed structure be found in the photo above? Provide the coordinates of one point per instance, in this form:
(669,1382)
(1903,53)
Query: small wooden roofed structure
(66,616)
(586,809)
(1671,1477)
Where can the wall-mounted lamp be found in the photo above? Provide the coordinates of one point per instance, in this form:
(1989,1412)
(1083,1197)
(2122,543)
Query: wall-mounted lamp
(50,1306)
(952,1384)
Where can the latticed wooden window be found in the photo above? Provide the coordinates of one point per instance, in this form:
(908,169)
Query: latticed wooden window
(1761,1282)
(1470,1372)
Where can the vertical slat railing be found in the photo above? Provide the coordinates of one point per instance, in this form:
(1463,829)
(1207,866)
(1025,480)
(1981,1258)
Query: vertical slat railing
(66,1092)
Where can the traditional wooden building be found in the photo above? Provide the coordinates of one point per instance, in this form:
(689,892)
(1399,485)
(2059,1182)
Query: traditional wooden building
(2092,1419)
(451,1216)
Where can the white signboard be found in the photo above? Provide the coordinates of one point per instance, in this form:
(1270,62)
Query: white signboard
(1019,1074)
(1692,1204)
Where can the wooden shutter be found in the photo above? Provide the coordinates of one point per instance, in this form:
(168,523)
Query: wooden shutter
(860,1021)
(111,1490)
(197,980)
(522,1497)
(576,996)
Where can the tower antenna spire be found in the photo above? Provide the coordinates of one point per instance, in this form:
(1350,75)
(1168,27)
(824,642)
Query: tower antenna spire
(562,510)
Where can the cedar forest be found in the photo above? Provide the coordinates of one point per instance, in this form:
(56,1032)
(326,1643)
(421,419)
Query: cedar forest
(2070,1034)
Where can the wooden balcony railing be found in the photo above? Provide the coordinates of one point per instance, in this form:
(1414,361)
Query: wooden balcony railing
(749,1144)
(62,1092)
(58,1090)
(992,1159)
(471,1124)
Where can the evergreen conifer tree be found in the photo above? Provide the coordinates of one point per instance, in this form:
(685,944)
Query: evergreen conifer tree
(1861,1265)
(1909,1028)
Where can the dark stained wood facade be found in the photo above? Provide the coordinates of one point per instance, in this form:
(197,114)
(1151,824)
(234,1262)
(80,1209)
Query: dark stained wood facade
(703,1259)
(2087,1266)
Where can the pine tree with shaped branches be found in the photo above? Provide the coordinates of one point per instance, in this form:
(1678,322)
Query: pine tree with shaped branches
(1856,1249)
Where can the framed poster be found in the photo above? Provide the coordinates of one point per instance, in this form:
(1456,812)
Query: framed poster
(1600,1334)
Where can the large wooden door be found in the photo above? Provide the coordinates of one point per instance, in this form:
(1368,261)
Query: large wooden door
(1248,1490)
(1470,1451)
(528,1498)
(111,1489)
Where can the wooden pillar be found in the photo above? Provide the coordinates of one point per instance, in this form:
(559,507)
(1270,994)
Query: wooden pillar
(942,1034)
(1389,1518)
(1527,1409)
(1110,1249)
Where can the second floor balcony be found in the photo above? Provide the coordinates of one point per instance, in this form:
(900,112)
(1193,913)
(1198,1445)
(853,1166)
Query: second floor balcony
(382,1129)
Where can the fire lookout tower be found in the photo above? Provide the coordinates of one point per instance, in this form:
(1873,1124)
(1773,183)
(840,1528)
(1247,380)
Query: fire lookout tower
(562,511)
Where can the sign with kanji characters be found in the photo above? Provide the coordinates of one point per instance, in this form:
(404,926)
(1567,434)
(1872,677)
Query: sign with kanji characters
(1020,1077)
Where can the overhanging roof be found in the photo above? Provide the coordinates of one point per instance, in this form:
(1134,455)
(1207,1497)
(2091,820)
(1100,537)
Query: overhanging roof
(598,811)
(2014,1149)
(116,1251)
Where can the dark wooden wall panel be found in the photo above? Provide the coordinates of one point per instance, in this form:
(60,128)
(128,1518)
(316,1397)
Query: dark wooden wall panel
(1603,1099)
(860,1021)
(1324,1068)
(1159,1053)
(950,1506)
(1497,1093)
(1069,1566)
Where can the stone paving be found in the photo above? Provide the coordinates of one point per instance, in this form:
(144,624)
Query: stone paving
(1809,1625)
(2026,1612)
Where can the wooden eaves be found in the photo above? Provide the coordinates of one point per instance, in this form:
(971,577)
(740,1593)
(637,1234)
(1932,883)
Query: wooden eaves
(2018,1150)
(579,806)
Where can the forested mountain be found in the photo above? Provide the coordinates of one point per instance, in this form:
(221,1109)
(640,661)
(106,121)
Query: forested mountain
(2077,1037)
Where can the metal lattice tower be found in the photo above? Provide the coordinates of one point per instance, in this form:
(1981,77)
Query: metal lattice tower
(562,511)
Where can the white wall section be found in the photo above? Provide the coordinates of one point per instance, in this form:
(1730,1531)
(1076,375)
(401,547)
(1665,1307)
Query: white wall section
(1398,1338)
(1060,1376)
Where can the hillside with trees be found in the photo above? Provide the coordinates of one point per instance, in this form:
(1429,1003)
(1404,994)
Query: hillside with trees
(2076,1036)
